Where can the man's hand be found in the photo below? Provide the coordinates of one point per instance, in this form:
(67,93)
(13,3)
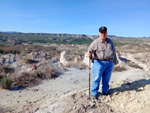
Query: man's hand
(90,55)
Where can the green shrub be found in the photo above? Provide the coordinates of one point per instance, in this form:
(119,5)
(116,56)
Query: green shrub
(6,82)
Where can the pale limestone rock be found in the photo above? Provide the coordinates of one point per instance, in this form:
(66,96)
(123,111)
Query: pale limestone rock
(86,60)
(17,62)
(121,62)
(63,58)
(77,59)
(141,59)
(140,89)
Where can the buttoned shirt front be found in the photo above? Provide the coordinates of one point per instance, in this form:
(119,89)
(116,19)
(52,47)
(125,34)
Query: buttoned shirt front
(101,50)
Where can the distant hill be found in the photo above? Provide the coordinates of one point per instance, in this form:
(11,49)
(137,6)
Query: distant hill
(44,38)
(18,37)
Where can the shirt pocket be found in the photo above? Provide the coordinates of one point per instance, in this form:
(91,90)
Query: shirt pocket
(100,53)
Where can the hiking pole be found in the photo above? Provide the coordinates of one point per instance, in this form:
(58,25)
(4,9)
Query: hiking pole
(89,76)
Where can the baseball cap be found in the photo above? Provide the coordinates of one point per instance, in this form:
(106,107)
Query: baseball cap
(102,29)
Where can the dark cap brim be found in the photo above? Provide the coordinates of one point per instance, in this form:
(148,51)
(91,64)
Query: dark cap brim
(103,30)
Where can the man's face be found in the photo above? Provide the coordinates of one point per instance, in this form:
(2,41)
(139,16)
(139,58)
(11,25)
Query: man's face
(103,35)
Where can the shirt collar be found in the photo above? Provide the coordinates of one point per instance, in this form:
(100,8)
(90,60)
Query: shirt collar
(102,40)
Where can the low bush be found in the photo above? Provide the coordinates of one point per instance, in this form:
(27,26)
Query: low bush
(1,76)
(9,51)
(6,69)
(6,82)
(49,72)
(25,80)
(29,79)
(29,61)
(37,74)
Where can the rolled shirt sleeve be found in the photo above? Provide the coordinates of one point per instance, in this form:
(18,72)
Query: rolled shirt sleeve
(92,47)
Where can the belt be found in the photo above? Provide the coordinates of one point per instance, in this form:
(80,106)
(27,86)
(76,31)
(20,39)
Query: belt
(104,59)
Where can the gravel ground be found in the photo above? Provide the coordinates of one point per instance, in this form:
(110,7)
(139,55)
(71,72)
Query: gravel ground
(39,97)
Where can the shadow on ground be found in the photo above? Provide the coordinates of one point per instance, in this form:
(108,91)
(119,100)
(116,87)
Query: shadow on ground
(16,88)
(128,86)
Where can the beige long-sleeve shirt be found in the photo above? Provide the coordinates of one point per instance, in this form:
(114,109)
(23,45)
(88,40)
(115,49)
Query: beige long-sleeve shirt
(101,50)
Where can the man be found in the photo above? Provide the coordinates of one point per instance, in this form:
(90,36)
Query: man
(102,50)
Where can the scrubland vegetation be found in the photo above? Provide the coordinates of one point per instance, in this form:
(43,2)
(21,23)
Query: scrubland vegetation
(52,45)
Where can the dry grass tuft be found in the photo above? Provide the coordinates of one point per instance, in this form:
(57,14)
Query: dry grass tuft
(49,72)
(132,64)
(5,69)
(29,79)
(25,80)
(29,61)
(119,69)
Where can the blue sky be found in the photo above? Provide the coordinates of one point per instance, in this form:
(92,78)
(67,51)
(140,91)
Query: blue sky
(121,17)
